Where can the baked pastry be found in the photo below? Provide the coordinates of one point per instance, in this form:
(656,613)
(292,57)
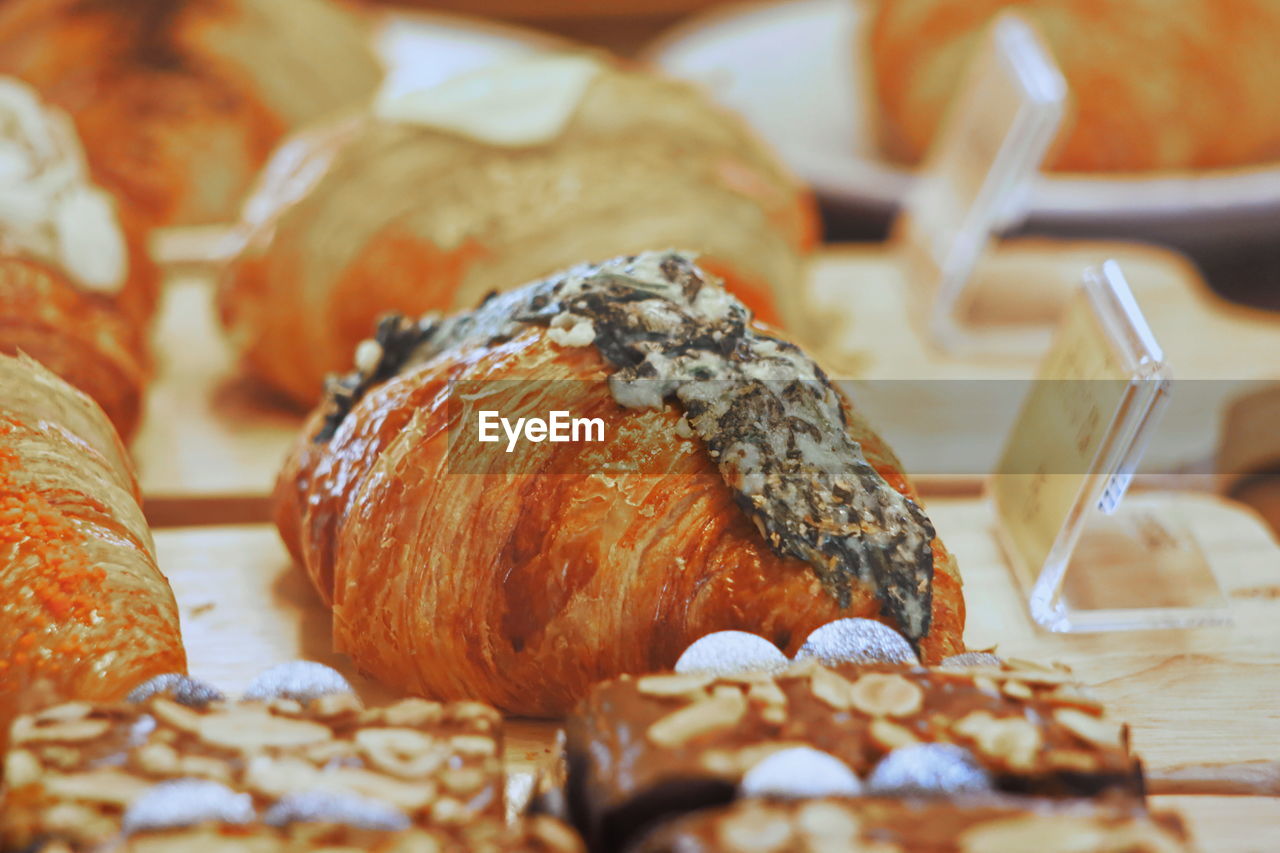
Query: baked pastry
(181,101)
(438,197)
(76,285)
(1155,85)
(297,764)
(920,826)
(457,569)
(84,612)
(642,749)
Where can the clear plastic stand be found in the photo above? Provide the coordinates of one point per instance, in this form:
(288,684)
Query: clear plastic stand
(1089,559)
(976,179)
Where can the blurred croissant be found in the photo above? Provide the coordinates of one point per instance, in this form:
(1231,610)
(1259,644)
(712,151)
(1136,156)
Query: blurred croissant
(456,570)
(1155,84)
(76,285)
(181,101)
(440,196)
(84,612)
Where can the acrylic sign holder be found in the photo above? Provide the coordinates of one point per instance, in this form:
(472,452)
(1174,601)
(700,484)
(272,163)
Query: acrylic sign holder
(975,182)
(1090,559)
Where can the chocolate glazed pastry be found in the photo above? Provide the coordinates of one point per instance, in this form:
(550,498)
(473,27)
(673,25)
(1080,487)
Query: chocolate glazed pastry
(181,101)
(641,750)
(84,612)
(736,489)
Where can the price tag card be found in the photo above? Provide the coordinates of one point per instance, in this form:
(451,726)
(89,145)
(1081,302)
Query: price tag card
(978,174)
(1089,559)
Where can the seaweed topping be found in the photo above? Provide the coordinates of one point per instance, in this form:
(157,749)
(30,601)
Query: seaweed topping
(766,413)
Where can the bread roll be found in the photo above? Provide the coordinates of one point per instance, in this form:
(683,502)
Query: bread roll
(441,196)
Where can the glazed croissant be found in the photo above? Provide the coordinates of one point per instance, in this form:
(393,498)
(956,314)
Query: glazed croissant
(84,612)
(1155,85)
(76,285)
(181,101)
(718,501)
(440,196)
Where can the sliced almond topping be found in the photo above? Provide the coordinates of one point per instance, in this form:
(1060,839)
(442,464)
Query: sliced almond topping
(1093,729)
(96,786)
(64,713)
(673,684)
(71,731)
(1016,689)
(774,715)
(833,689)
(722,710)
(336,705)
(886,694)
(157,759)
(406,753)
(247,728)
(891,736)
(177,716)
(447,811)
(1013,740)
(21,768)
(829,823)
(767,693)
(85,825)
(473,745)
(553,833)
(756,830)
(463,780)
(411,713)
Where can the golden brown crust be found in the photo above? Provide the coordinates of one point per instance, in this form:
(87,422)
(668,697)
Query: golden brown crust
(84,612)
(524,589)
(366,215)
(180,103)
(1155,85)
(88,339)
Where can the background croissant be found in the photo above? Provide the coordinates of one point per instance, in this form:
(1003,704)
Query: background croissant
(77,287)
(574,563)
(84,612)
(375,213)
(181,101)
(1154,85)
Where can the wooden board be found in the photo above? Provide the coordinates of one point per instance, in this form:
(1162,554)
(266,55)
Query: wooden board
(1193,697)
(212,440)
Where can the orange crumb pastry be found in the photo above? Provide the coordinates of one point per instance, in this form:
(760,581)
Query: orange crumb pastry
(455,569)
(436,197)
(181,101)
(1155,84)
(84,612)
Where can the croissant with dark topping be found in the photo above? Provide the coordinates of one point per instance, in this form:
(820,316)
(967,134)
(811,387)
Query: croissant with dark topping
(735,488)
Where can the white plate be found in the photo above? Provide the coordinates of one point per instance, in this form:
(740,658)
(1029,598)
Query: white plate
(792,69)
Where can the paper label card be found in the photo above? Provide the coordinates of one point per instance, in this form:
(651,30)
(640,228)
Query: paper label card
(1067,463)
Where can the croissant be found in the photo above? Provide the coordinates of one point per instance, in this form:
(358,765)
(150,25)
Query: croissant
(759,502)
(84,612)
(1155,85)
(76,285)
(437,197)
(181,101)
